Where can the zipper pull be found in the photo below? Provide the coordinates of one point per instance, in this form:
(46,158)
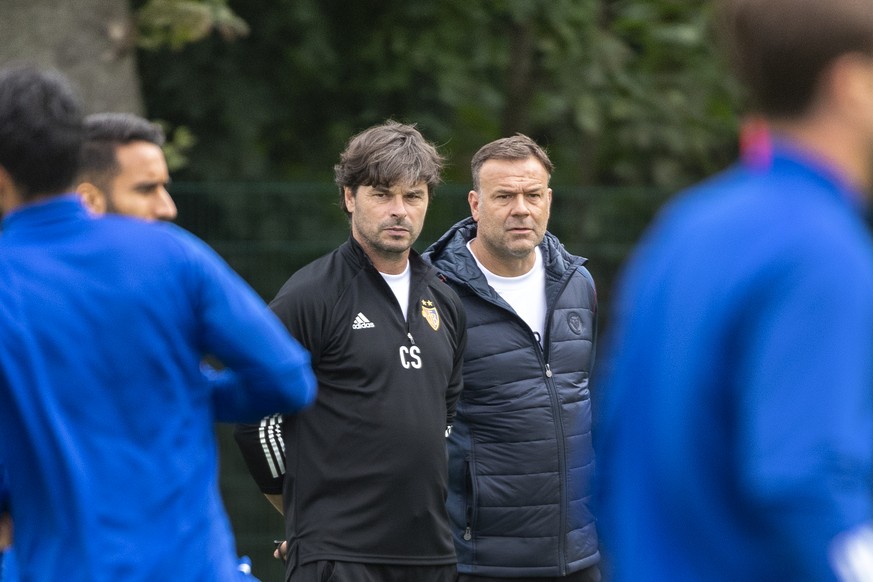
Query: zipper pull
(548,371)
(409,335)
(468,534)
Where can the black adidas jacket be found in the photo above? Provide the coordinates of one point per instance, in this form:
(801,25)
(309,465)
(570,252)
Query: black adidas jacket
(366,465)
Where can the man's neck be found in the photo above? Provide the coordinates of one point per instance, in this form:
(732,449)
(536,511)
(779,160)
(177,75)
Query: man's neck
(390,267)
(388,263)
(10,197)
(840,149)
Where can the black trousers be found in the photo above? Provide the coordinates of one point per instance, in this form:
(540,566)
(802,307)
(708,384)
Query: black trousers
(591,574)
(332,571)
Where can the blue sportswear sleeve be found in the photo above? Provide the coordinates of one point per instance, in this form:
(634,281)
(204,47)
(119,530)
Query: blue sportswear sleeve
(269,371)
(811,474)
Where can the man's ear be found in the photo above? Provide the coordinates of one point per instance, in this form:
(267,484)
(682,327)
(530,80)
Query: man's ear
(473,200)
(349,196)
(93,197)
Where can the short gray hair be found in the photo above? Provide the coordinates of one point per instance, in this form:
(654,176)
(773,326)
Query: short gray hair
(517,147)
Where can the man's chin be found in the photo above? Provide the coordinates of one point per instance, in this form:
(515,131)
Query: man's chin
(396,246)
(520,248)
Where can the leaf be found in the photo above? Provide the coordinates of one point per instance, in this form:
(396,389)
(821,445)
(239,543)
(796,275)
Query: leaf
(175,23)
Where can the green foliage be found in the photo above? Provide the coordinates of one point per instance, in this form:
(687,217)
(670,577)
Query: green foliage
(179,142)
(621,92)
(175,23)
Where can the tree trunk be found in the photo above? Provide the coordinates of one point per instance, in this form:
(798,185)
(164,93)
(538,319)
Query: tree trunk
(92,42)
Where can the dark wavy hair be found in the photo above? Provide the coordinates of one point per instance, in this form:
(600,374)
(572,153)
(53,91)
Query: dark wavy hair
(387,154)
(41,130)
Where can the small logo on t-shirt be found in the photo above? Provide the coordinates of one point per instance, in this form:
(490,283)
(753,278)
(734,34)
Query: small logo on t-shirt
(361,322)
(430,314)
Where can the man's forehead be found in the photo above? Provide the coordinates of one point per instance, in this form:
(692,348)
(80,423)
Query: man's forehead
(514,183)
(136,145)
(138,153)
(403,186)
(517,164)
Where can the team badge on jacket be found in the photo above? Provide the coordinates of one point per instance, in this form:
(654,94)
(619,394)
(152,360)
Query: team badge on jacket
(429,313)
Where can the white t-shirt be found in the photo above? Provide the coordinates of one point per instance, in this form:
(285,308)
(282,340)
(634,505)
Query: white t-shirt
(400,285)
(526,294)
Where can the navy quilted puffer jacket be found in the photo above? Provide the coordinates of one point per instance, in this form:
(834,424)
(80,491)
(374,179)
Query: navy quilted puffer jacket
(520,453)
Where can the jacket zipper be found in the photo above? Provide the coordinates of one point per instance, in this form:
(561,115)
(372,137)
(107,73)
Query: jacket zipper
(543,353)
(562,461)
(468,485)
(559,423)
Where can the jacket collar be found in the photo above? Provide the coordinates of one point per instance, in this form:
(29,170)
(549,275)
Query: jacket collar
(62,208)
(354,252)
(785,155)
(27,220)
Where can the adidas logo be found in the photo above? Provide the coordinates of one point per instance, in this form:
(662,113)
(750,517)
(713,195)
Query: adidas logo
(361,322)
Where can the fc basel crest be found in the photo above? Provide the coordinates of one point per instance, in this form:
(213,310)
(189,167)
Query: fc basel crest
(429,313)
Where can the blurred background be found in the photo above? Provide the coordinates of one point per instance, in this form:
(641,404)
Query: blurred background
(258,97)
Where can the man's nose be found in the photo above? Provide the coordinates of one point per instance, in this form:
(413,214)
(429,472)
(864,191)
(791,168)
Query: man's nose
(166,208)
(398,206)
(519,205)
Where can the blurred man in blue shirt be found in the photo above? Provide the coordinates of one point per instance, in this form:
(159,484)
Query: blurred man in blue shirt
(736,435)
(106,422)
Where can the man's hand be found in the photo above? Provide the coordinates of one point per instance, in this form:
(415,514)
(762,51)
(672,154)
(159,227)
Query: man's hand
(281,551)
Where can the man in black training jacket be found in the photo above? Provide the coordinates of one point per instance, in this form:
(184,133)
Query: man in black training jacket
(362,474)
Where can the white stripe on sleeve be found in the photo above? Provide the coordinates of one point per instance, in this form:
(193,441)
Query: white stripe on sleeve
(270,435)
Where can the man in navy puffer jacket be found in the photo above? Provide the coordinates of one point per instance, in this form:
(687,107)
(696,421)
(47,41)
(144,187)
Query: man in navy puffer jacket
(520,454)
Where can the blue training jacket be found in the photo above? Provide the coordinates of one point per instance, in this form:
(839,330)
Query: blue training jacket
(520,452)
(106,421)
(736,435)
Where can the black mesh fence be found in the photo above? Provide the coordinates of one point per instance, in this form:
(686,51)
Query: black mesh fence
(266,231)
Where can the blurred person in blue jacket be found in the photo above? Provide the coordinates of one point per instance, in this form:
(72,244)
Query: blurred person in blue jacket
(736,434)
(106,421)
(122,170)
